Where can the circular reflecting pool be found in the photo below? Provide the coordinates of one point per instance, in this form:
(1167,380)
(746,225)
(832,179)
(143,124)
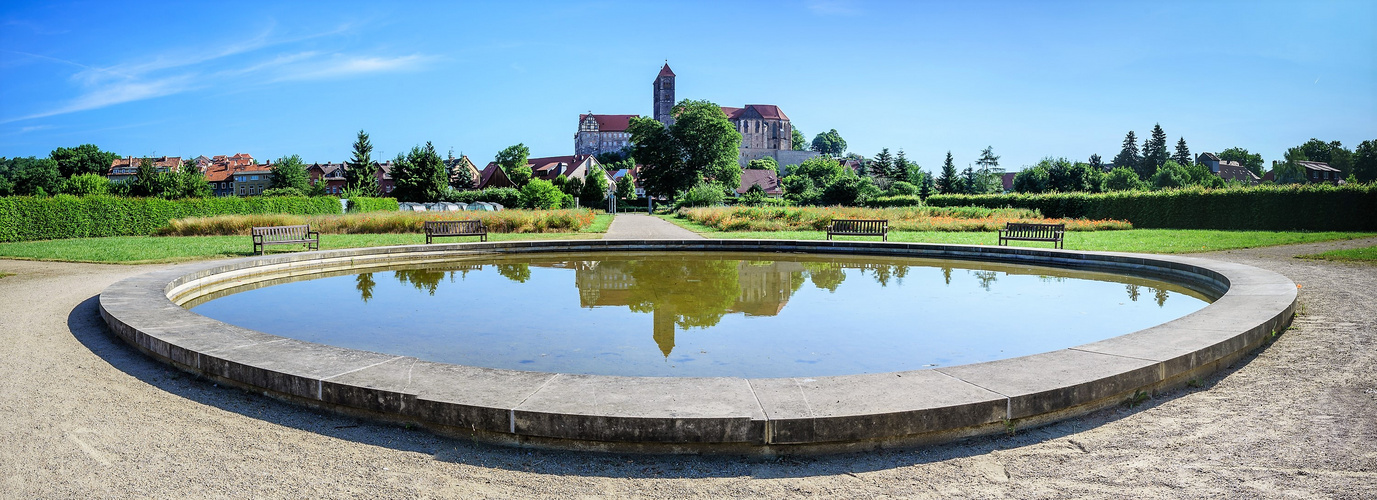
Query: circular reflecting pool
(704,314)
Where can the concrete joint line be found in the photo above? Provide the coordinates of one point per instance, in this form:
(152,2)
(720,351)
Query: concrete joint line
(1008,401)
(511,413)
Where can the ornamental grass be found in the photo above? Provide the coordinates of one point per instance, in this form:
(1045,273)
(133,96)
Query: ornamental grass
(900,218)
(502,221)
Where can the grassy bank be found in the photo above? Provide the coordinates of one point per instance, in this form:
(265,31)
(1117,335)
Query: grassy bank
(1365,254)
(1132,240)
(161,249)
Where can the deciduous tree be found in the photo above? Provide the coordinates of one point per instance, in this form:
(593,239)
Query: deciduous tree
(289,172)
(829,143)
(83,159)
(701,145)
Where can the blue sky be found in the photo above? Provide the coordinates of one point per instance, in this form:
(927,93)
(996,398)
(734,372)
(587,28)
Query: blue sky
(1032,79)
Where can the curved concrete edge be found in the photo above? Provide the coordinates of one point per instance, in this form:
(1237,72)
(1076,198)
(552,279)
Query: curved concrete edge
(694,415)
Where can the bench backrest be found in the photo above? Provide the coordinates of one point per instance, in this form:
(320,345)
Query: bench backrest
(859,225)
(454,227)
(1032,230)
(282,233)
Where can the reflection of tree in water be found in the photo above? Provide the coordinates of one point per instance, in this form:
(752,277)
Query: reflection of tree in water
(825,275)
(425,280)
(1132,292)
(515,272)
(364,284)
(986,278)
(1160,294)
(883,273)
(946,274)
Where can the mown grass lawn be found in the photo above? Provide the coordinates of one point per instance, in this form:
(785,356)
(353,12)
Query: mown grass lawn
(162,249)
(1132,240)
(1365,254)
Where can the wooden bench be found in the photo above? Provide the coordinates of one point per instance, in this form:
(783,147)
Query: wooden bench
(859,227)
(437,228)
(284,235)
(1022,231)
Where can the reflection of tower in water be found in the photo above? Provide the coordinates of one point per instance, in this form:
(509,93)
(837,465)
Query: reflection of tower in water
(688,293)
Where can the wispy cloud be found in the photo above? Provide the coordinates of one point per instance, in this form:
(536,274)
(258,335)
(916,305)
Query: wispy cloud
(184,70)
(342,66)
(833,7)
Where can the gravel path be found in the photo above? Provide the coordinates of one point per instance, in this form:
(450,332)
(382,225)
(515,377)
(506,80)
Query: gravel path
(83,415)
(645,227)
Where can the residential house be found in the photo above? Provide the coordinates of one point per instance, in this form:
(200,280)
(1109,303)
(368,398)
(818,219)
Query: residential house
(123,169)
(493,176)
(252,181)
(332,174)
(1007,181)
(550,167)
(462,172)
(766,179)
(221,169)
(1315,171)
(1227,169)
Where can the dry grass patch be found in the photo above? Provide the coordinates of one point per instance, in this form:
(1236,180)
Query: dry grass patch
(502,221)
(900,218)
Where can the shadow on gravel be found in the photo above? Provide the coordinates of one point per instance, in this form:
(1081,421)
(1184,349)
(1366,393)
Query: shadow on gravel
(86,326)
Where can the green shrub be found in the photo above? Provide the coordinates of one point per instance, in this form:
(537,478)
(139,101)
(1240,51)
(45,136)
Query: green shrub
(365,204)
(701,195)
(65,216)
(1309,207)
(507,197)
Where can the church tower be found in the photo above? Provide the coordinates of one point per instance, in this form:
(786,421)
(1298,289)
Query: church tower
(664,96)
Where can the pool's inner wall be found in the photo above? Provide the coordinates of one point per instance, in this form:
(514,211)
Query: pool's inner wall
(718,414)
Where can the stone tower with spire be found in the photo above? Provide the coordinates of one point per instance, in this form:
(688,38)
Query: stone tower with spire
(664,96)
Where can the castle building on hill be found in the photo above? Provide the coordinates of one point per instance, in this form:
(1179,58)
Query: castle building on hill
(765,129)
(602,134)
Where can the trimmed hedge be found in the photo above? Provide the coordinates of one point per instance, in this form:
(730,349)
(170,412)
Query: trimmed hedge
(26,218)
(1311,207)
(357,205)
(507,197)
(902,200)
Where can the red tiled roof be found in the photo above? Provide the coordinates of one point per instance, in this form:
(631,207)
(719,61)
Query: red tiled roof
(665,71)
(767,179)
(766,111)
(611,123)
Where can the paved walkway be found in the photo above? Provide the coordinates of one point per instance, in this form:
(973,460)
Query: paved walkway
(82,415)
(645,227)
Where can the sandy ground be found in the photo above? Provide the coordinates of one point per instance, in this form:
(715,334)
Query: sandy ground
(83,415)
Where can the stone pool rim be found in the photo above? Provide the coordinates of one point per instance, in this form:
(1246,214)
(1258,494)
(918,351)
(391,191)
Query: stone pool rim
(704,414)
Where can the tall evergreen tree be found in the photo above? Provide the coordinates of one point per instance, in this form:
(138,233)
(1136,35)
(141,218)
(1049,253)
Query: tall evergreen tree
(359,174)
(947,181)
(1097,163)
(1128,154)
(1183,153)
(902,167)
(987,161)
(1154,152)
(970,181)
(882,166)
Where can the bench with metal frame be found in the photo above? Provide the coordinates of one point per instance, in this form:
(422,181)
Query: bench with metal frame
(859,227)
(284,235)
(1025,231)
(439,228)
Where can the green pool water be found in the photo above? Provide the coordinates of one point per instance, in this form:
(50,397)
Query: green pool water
(716,314)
